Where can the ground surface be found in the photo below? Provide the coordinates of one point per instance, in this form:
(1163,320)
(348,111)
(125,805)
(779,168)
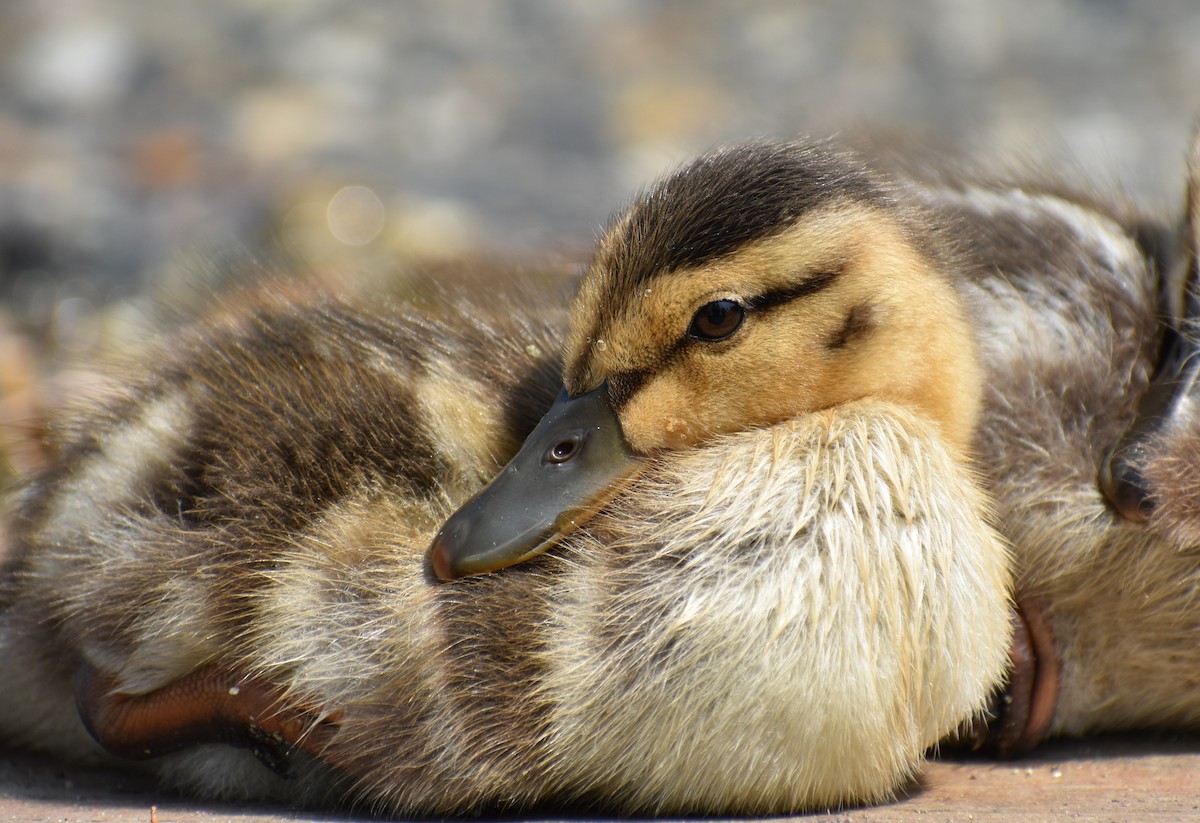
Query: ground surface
(1109,779)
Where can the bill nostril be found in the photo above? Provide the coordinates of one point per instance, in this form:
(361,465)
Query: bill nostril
(564,450)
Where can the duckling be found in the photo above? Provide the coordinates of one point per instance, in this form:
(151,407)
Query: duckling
(752,557)
(570,679)
(754,286)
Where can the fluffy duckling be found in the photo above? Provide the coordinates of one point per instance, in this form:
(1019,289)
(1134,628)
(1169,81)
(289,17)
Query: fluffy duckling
(756,285)
(772,581)
(233,551)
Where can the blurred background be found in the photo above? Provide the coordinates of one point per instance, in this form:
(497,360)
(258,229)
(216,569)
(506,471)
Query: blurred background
(133,134)
(143,144)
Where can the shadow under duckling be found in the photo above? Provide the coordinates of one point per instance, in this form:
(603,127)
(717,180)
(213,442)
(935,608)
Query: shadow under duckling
(827,389)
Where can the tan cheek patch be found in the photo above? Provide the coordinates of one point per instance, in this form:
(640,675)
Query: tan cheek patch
(773,375)
(663,415)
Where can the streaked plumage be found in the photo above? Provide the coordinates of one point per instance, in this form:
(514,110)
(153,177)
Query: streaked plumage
(801,590)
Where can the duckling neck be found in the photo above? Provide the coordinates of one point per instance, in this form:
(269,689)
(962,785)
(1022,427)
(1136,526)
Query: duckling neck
(920,351)
(947,376)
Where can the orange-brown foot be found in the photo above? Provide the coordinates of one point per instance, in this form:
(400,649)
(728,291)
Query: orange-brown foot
(210,705)
(1026,709)
(1021,714)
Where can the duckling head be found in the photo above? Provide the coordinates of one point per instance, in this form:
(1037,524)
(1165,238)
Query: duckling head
(753,285)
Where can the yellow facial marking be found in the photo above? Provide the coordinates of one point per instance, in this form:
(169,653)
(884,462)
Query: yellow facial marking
(885,324)
(654,417)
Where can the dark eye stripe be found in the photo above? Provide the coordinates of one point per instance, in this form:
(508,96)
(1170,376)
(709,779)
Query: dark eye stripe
(810,286)
(624,385)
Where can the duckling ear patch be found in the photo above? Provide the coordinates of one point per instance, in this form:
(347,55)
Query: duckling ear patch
(859,322)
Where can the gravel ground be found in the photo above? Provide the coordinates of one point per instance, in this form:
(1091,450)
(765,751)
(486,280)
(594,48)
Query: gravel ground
(144,145)
(136,136)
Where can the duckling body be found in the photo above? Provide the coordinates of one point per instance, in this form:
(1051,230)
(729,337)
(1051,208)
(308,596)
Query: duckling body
(794,596)
(1068,347)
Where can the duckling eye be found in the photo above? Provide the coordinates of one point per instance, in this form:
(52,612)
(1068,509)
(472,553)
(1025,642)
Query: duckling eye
(717,320)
